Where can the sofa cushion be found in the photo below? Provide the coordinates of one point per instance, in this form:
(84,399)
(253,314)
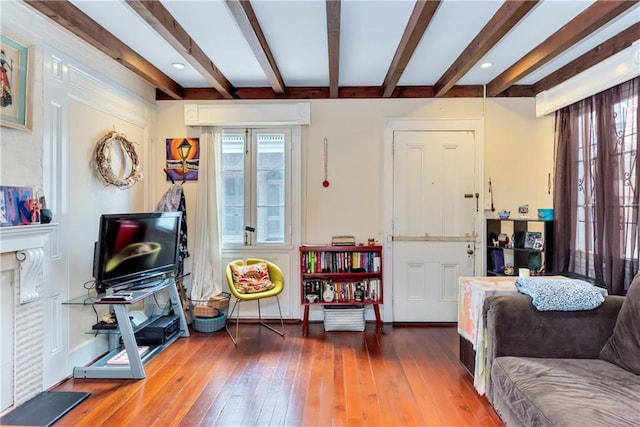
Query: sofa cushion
(249,279)
(565,392)
(623,348)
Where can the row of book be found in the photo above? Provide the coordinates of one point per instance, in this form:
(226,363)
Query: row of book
(324,291)
(340,262)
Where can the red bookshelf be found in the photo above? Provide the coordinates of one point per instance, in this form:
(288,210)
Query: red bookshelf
(341,275)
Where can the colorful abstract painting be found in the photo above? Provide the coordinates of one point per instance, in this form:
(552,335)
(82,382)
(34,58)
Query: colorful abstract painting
(183,159)
(15,203)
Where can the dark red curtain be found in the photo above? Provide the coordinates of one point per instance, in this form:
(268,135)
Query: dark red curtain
(597,188)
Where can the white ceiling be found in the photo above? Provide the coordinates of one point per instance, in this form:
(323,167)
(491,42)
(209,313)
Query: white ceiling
(370,31)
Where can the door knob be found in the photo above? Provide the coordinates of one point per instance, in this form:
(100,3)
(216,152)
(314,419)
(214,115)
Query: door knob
(469,250)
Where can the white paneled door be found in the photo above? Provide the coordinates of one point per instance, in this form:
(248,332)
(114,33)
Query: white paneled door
(435,206)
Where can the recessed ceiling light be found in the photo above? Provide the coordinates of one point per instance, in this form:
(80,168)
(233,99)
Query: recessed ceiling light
(178,65)
(486,65)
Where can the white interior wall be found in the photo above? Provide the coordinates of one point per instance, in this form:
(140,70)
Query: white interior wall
(91,198)
(518,156)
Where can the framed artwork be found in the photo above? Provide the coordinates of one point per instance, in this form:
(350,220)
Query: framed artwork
(183,159)
(15,102)
(538,245)
(15,205)
(523,210)
(530,239)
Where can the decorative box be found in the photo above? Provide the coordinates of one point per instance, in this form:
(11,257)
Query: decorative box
(344,318)
(545,214)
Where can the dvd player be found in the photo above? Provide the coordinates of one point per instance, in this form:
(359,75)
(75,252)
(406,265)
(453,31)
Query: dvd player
(159,331)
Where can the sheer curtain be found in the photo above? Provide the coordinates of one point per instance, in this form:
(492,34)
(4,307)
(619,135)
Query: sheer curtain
(207,271)
(597,187)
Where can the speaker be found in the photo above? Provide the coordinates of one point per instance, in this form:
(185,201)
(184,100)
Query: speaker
(96,261)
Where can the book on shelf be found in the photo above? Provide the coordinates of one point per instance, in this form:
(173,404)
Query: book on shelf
(343,240)
(312,290)
(372,289)
(376,263)
(123,359)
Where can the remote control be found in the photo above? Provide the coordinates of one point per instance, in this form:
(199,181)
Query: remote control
(118,297)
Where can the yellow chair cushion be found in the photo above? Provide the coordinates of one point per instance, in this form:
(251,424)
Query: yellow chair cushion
(249,279)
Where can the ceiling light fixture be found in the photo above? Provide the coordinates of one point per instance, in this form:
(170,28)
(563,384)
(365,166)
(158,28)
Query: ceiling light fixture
(486,65)
(178,65)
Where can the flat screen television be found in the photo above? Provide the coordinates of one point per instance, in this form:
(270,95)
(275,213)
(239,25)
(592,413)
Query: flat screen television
(134,249)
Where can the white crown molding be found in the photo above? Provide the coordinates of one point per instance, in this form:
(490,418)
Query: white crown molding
(619,68)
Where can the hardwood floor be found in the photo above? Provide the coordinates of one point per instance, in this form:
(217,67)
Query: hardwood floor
(402,376)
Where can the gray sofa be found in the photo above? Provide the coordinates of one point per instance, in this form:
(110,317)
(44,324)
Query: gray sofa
(564,368)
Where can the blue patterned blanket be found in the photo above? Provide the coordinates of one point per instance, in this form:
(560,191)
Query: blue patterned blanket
(561,294)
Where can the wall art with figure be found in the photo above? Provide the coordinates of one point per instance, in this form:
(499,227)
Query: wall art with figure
(183,159)
(14,84)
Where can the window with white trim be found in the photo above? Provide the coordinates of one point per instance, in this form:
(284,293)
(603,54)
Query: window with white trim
(256,187)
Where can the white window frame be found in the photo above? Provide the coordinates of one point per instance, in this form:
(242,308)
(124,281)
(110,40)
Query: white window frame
(292,186)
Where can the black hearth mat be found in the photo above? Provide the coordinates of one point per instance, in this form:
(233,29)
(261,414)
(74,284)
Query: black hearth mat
(44,409)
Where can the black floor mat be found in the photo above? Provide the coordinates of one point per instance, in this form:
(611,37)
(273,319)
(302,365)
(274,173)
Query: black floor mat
(44,409)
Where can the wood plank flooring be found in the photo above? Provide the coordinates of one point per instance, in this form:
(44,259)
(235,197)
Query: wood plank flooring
(401,376)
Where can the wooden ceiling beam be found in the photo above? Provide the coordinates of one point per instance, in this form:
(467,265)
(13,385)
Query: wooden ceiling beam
(74,20)
(333,43)
(591,19)
(156,15)
(509,14)
(347,92)
(615,44)
(419,20)
(245,17)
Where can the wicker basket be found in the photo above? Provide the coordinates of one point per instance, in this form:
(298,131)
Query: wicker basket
(210,324)
(220,302)
(212,307)
(210,315)
(202,309)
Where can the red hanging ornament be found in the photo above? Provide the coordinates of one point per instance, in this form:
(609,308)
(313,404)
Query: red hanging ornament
(325,183)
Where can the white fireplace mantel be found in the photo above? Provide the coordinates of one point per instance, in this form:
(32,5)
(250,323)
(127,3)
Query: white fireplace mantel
(22,237)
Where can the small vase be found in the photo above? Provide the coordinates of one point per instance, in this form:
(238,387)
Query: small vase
(46,216)
(534,262)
